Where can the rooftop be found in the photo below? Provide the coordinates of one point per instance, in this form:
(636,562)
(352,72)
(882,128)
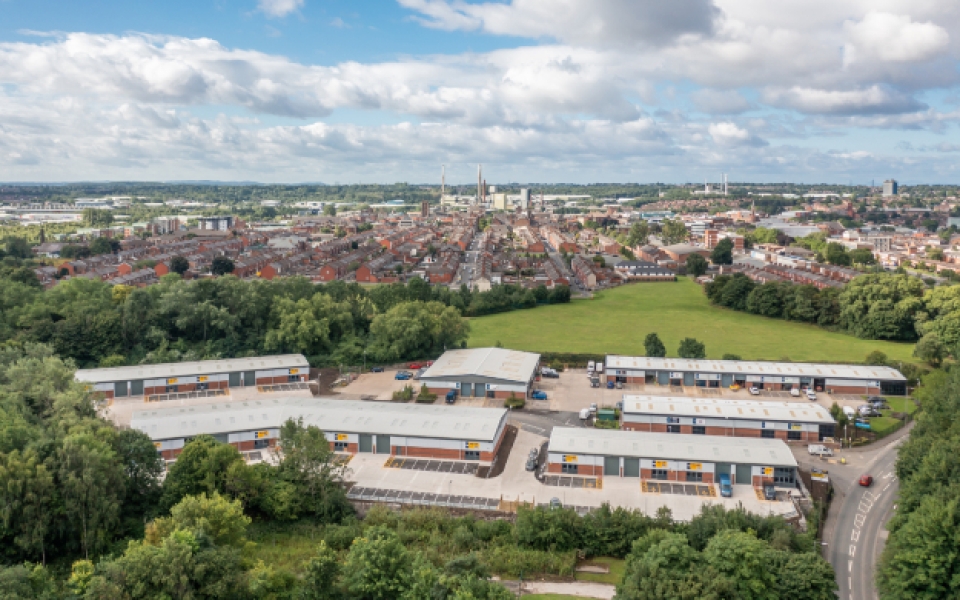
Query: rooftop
(495,363)
(726,409)
(186,369)
(671,446)
(333,416)
(747,367)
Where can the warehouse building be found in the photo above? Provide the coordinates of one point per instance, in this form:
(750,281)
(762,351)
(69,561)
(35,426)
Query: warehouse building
(839,379)
(171,378)
(483,373)
(789,421)
(667,457)
(351,426)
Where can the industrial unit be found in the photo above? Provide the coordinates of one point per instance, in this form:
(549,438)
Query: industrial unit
(667,457)
(351,426)
(169,378)
(840,379)
(483,372)
(790,421)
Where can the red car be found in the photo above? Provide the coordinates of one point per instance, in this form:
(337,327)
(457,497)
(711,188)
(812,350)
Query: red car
(414,366)
(866,480)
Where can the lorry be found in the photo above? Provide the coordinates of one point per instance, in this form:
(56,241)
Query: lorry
(726,490)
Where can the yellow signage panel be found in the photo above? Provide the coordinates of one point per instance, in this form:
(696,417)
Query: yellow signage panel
(796,426)
(473,445)
(294,371)
(659,464)
(767,471)
(694,466)
(262,434)
(157,445)
(569,458)
(340,437)
(201,379)
(171,381)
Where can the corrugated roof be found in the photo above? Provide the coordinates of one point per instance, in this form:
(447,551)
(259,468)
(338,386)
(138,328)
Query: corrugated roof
(671,446)
(495,363)
(337,416)
(186,369)
(686,406)
(746,367)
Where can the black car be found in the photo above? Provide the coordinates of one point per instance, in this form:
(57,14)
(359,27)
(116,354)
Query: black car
(376,369)
(769,492)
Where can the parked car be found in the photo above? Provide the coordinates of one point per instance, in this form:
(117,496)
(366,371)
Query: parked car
(584,414)
(539,395)
(534,452)
(550,373)
(769,492)
(866,480)
(531,464)
(811,395)
(875,400)
(610,385)
(415,366)
(376,369)
(795,392)
(451,396)
(619,385)
(754,391)
(595,382)
(402,375)
(726,490)
(593,408)
(819,449)
(849,412)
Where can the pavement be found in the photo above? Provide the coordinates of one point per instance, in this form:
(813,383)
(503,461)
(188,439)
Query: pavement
(516,484)
(855,530)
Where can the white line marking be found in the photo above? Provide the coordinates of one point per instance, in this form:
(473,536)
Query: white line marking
(885,487)
(855,535)
(865,506)
(850,584)
(850,566)
(853,550)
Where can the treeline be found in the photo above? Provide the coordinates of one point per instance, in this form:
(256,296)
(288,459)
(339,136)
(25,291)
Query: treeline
(877,306)
(921,558)
(95,323)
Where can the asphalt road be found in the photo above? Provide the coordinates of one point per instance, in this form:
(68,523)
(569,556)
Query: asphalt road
(856,536)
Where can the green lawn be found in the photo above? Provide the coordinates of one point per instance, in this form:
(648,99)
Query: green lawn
(883,425)
(617,567)
(616,321)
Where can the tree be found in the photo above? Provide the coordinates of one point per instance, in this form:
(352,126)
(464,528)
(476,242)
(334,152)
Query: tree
(921,559)
(864,256)
(930,349)
(728,356)
(101,245)
(179,265)
(876,358)
(311,466)
(216,518)
(330,209)
(18,247)
(722,253)
(321,574)
(881,306)
(91,481)
(200,468)
(377,566)
(691,348)
(836,254)
(743,558)
(673,231)
(696,264)
(221,265)
(639,234)
(96,217)
(653,346)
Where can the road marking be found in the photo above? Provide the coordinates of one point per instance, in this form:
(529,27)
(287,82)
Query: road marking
(850,584)
(855,535)
(888,475)
(850,566)
(869,505)
(853,550)
(885,487)
(859,519)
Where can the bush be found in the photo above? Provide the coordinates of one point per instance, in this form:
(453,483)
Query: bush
(426,396)
(512,561)
(404,395)
(514,401)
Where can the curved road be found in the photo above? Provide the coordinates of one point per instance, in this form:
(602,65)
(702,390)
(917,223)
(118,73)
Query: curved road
(859,530)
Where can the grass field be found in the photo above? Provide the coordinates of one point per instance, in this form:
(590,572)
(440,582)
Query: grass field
(617,568)
(617,320)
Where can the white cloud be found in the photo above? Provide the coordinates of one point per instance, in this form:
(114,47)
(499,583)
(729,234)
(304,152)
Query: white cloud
(279,8)
(874,99)
(896,38)
(727,133)
(593,22)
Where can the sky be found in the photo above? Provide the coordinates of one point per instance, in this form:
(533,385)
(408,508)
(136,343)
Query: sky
(545,91)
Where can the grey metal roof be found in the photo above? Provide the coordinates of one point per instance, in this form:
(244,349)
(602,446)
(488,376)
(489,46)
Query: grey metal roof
(186,369)
(747,367)
(495,363)
(671,446)
(338,416)
(718,408)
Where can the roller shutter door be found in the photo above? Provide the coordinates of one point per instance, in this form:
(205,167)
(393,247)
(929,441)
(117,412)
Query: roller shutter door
(631,467)
(611,466)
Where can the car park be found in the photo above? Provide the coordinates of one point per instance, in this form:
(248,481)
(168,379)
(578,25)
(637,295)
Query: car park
(769,492)
(866,480)
(402,376)
(795,392)
(754,391)
(539,395)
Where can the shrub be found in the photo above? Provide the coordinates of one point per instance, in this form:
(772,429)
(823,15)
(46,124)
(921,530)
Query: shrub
(514,401)
(404,395)
(606,424)
(426,396)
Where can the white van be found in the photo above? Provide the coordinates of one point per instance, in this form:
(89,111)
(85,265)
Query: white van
(584,414)
(848,410)
(590,367)
(819,449)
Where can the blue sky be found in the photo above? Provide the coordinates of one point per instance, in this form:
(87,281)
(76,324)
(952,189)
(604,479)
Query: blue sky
(537,90)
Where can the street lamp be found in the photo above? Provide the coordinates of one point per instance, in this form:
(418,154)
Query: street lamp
(364,361)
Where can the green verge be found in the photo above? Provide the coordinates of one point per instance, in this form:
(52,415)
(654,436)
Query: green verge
(616,321)
(615,576)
